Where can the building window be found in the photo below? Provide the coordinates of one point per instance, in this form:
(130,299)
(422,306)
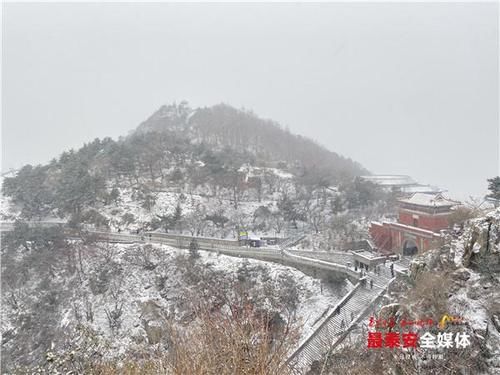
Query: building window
(415,222)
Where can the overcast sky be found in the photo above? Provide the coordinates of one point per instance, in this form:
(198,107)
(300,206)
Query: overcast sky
(401,88)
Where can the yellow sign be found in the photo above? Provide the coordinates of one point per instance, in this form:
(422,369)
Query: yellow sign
(449,319)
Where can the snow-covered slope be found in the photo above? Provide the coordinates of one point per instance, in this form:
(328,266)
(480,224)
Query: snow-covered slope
(124,294)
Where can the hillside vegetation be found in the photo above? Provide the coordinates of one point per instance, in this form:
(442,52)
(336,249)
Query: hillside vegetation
(207,171)
(93,307)
(222,126)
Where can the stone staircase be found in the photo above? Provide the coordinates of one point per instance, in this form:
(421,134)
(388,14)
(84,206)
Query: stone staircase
(292,240)
(343,317)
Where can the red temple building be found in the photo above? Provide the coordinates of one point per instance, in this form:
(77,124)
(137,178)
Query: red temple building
(421,219)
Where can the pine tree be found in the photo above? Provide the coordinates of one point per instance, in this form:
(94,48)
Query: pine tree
(178,213)
(177,217)
(494,187)
(193,249)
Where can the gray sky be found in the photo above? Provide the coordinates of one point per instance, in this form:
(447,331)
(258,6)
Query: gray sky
(401,88)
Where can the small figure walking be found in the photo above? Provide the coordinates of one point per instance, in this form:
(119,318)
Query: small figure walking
(392,269)
(371,283)
(342,324)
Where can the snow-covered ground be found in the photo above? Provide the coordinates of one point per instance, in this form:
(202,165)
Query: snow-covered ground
(315,299)
(166,203)
(8,212)
(145,302)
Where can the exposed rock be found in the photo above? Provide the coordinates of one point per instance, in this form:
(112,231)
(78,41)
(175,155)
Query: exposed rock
(495,318)
(461,274)
(481,249)
(475,292)
(154,331)
(150,310)
(416,268)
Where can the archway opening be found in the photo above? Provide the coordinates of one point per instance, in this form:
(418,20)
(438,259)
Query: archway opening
(410,248)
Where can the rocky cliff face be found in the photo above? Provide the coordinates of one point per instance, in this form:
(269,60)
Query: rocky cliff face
(477,286)
(468,276)
(481,250)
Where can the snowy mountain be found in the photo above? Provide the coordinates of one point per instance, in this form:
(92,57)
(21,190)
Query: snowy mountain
(209,171)
(203,172)
(223,126)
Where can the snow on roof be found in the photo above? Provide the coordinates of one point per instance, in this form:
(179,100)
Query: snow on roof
(418,188)
(434,200)
(367,254)
(390,180)
(259,171)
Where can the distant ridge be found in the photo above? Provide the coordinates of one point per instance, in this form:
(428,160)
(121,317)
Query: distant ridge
(223,126)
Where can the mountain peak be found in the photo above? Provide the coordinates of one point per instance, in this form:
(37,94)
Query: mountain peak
(223,126)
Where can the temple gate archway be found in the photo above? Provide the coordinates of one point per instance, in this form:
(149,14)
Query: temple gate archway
(410,248)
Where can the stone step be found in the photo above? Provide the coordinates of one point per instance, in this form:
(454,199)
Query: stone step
(329,333)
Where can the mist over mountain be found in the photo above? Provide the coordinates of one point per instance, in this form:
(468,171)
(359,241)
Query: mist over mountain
(297,215)
(216,176)
(223,126)
(226,160)
(210,173)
